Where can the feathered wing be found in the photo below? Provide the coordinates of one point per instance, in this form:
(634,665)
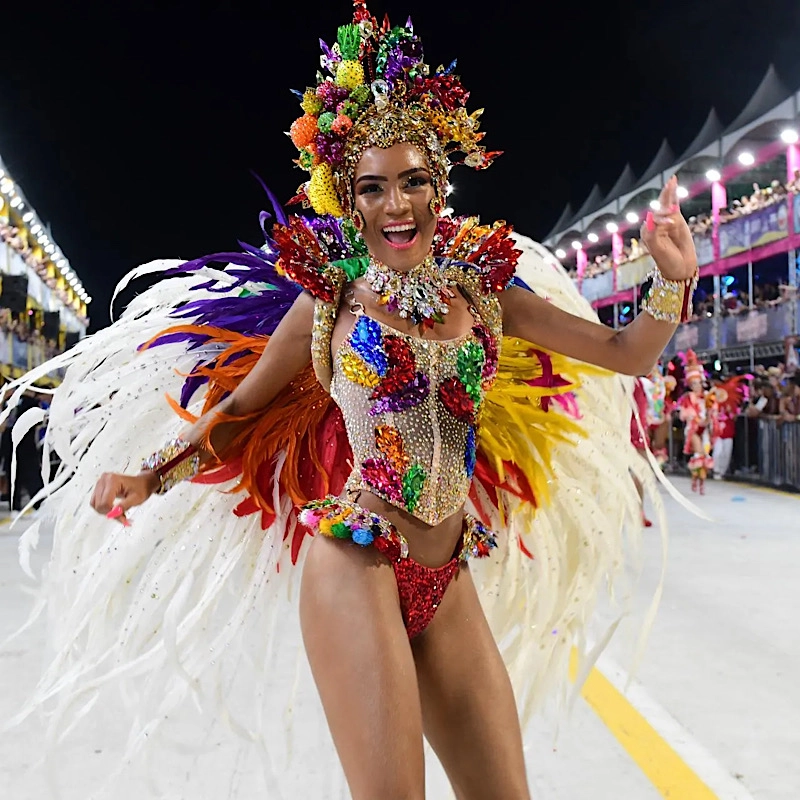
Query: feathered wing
(181,619)
(180,612)
(554,475)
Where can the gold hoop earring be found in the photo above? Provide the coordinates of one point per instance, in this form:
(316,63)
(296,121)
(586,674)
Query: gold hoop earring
(435,206)
(357,219)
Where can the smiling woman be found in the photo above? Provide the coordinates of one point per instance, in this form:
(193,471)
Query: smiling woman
(394,195)
(379,379)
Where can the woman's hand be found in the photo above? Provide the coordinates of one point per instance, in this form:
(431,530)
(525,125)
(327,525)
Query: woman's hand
(114,494)
(668,237)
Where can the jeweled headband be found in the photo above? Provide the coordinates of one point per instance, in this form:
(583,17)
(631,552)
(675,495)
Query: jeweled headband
(379,92)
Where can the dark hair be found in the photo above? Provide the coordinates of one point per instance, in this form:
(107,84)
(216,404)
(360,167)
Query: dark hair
(795,379)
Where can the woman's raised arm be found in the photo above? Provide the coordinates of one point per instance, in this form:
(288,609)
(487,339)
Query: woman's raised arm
(634,349)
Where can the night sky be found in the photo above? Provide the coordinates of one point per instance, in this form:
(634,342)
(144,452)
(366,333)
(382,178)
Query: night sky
(133,127)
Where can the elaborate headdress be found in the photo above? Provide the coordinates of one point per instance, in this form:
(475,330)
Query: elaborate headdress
(693,369)
(379,91)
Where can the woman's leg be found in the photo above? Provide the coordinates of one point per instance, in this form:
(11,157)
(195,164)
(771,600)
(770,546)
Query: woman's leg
(468,708)
(364,670)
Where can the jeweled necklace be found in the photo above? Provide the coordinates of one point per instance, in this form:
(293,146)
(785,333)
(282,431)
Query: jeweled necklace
(422,294)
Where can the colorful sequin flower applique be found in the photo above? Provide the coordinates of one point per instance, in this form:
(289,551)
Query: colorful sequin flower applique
(380,475)
(402,387)
(491,355)
(355,369)
(469,367)
(412,394)
(366,362)
(394,476)
(413,484)
(470,452)
(390,445)
(402,366)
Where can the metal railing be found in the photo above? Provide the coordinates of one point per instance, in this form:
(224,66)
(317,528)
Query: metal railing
(765,451)
(779,453)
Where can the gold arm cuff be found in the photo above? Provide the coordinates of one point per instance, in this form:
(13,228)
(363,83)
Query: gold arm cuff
(670,301)
(177,461)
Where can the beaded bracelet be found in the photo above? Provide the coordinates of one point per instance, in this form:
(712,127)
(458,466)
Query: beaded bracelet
(669,301)
(177,461)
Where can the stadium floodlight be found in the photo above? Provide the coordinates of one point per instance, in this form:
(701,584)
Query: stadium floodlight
(593,238)
(632,217)
(576,245)
(612,227)
(561,253)
(655,205)
(683,192)
(746,158)
(27,216)
(789,136)
(713,175)
(50,249)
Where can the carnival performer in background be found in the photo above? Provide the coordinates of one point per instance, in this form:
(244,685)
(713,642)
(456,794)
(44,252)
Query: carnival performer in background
(731,395)
(367,375)
(658,416)
(698,411)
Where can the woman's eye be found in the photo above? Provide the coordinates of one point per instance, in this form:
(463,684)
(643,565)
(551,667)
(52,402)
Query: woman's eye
(369,188)
(417,180)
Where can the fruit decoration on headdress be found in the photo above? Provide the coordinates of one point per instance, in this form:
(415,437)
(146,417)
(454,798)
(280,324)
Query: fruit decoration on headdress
(378,92)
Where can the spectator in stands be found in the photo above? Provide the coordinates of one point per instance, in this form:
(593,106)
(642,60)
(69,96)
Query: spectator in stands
(789,405)
(791,356)
(765,401)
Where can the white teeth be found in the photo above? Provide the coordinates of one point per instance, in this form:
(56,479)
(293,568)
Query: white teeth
(394,228)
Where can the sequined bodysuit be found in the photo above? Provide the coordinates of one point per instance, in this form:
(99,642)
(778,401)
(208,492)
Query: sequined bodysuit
(411,407)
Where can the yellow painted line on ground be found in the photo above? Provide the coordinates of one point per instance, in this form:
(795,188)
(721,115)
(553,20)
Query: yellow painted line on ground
(664,768)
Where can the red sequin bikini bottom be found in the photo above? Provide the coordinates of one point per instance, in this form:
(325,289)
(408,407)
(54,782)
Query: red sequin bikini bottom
(420,588)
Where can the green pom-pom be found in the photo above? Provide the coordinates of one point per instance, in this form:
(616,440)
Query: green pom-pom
(340,530)
(306,159)
(360,95)
(349,40)
(348,108)
(325,121)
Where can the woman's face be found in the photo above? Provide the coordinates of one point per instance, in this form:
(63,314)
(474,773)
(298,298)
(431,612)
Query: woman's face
(393,190)
(696,386)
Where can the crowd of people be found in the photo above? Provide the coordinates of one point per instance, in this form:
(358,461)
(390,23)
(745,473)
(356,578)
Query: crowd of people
(738,301)
(24,329)
(761,197)
(17,240)
(695,420)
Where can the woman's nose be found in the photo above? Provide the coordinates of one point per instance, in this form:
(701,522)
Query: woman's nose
(396,200)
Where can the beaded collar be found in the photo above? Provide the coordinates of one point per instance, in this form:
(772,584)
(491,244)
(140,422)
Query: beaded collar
(421,294)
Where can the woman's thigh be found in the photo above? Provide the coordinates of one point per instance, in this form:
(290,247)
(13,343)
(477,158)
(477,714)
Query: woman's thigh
(468,708)
(364,670)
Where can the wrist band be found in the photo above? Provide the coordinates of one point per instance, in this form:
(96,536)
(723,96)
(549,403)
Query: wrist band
(177,461)
(669,301)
